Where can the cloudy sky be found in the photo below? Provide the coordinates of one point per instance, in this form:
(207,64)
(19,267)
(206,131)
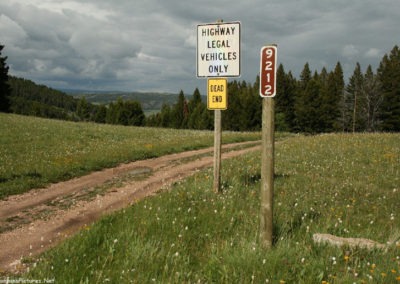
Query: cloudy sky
(150,45)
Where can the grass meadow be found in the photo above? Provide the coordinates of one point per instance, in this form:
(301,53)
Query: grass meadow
(342,184)
(35,152)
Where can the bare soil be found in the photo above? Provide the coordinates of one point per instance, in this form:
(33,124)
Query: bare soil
(33,222)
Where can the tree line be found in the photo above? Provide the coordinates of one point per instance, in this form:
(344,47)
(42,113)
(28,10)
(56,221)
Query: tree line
(322,102)
(317,102)
(243,112)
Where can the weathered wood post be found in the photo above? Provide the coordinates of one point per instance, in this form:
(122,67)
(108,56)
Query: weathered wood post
(217,150)
(217,145)
(267,173)
(267,92)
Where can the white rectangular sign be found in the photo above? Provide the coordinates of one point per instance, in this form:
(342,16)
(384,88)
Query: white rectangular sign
(218,50)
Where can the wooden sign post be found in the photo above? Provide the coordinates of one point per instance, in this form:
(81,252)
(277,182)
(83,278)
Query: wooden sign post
(217,150)
(217,100)
(267,91)
(267,173)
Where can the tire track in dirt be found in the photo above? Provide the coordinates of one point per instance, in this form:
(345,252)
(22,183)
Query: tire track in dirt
(37,235)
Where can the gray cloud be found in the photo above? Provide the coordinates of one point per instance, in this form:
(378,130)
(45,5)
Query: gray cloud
(151,45)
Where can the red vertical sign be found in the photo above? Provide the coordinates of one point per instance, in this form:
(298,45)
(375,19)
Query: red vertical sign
(268,71)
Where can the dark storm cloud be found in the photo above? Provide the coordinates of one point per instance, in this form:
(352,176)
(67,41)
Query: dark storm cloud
(151,45)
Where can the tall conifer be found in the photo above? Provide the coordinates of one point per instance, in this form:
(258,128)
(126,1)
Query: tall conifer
(5,89)
(389,76)
(179,112)
(373,99)
(301,107)
(286,91)
(332,95)
(354,89)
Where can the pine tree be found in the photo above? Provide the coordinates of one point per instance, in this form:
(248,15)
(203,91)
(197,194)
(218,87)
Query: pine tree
(206,119)
(324,97)
(133,113)
(101,114)
(332,94)
(83,109)
(281,104)
(257,102)
(243,115)
(5,89)
(292,84)
(111,113)
(195,119)
(255,108)
(286,90)
(305,77)
(166,119)
(373,99)
(114,112)
(308,107)
(196,99)
(338,85)
(353,95)
(302,105)
(179,113)
(194,106)
(230,117)
(389,76)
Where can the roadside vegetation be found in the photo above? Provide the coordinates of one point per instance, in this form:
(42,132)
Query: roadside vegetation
(35,152)
(342,184)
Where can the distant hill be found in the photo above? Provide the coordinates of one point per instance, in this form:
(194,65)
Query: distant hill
(151,102)
(29,98)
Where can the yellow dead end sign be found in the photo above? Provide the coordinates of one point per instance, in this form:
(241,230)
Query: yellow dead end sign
(217,94)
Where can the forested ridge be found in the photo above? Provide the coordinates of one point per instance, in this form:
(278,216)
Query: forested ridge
(28,98)
(316,102)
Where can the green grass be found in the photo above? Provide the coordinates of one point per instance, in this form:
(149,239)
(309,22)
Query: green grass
(347,185)
(35,152)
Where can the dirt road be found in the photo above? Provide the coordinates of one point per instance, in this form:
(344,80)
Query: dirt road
(35,221)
